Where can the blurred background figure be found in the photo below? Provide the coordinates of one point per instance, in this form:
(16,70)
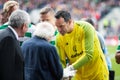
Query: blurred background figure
(117,55)
(47,14)
(8,8)
(41,58)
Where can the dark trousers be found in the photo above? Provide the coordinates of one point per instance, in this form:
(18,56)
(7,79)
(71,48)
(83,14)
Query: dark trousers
(111,74)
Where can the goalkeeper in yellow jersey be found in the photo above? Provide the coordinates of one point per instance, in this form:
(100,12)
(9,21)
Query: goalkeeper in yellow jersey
(78,41)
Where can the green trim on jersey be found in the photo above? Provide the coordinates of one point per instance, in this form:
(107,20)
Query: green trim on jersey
(118,48)
(53,41)
(28,34)
(3,26)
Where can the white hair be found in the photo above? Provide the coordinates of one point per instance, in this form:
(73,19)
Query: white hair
(44,30)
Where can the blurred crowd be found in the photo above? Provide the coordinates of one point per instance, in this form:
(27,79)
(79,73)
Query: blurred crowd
(95,9)
(79,8)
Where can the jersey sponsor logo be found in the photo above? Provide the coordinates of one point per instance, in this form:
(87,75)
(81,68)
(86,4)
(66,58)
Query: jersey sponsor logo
(76,54)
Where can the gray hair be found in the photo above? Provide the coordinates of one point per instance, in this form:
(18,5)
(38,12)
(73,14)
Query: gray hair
(44,30)
(18,18)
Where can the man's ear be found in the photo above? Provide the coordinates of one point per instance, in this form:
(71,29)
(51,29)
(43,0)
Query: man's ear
(23,26)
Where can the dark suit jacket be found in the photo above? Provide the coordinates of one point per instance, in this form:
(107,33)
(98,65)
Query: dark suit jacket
(41,60)
(11,60)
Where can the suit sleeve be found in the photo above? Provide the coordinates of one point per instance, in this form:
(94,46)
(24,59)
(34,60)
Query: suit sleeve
(54,63)
(7,57)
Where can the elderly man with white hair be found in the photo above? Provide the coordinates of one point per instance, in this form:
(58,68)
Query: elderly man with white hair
(41,58)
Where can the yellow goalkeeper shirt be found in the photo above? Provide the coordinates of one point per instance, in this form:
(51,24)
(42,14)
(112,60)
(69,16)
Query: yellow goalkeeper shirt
(82,48)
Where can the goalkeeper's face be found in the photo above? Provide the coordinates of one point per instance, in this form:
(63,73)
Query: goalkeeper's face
(62,26)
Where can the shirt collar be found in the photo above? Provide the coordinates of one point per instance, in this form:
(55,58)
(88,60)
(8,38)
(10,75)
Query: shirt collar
(5,23)
(16,35)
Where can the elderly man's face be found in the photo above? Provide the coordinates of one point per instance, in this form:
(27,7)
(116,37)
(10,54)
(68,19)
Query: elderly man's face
(24,29)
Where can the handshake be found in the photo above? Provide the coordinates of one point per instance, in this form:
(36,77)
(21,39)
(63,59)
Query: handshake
(69,72)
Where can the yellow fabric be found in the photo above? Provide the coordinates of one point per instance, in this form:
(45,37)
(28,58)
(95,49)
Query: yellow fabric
(82,48)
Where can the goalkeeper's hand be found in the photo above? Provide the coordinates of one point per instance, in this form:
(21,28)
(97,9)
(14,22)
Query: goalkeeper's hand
(69,71)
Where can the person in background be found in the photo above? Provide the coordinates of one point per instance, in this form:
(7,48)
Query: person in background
(117,55)
(41,58)
(78,42)
(8,8)
(47,14)
(11,59)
